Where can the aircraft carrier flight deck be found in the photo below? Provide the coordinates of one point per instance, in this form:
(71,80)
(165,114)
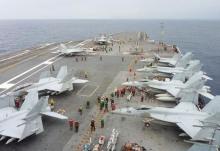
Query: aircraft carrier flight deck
(105,69)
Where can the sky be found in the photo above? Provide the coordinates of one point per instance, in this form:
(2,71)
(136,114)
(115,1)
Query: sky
(110,9)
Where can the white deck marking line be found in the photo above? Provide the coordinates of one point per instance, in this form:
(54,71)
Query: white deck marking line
(45,45)
(82,43)
(94,91)
(31,58)
(69,42)
(29,76)
(48,62)
(41,47)
(88,95)
(54,48)
(20,54)
(81,89)
(43,63)
(6,85)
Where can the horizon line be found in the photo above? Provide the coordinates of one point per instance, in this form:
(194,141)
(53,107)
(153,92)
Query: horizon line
(199,19)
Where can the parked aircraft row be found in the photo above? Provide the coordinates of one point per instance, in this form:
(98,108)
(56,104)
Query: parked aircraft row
(184,83)
(19,123)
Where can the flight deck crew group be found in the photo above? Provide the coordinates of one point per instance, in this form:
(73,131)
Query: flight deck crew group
(102,101)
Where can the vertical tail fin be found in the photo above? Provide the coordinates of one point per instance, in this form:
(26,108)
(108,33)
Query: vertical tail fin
(62,73)
(189,96)
(39,106)
(30,99)
(213,106)
(156,56)
(194,79)
(63,47)
(179,76)
(194,66)
(176,56)
(199,78)
(184,60)
(33,104)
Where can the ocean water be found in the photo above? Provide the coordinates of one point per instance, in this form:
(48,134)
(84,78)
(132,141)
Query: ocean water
(200,37)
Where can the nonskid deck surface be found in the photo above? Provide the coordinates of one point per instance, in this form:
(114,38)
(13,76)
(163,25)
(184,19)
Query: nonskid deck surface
(104,75)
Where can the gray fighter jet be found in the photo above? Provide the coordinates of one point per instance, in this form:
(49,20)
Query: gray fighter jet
(170,90)
(176,61)
(18,124)
(56,85)
(77,50)
(193,67)
(185,115)
(103,40)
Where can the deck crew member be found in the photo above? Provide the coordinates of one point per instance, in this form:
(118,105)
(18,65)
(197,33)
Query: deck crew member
(80,110)
(76,126)
(142,98)
(102,123)
(71,121)
(106,105)
(17,103)
(87,104)
(92,125)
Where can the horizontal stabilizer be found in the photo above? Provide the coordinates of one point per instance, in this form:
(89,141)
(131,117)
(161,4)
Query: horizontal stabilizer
(157,56)
(207,77)
(62,73)
(63,46)
(179,76)
(186,106)
(45,74)
(173,91)
(190,96)
(55,115)
(79,81)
